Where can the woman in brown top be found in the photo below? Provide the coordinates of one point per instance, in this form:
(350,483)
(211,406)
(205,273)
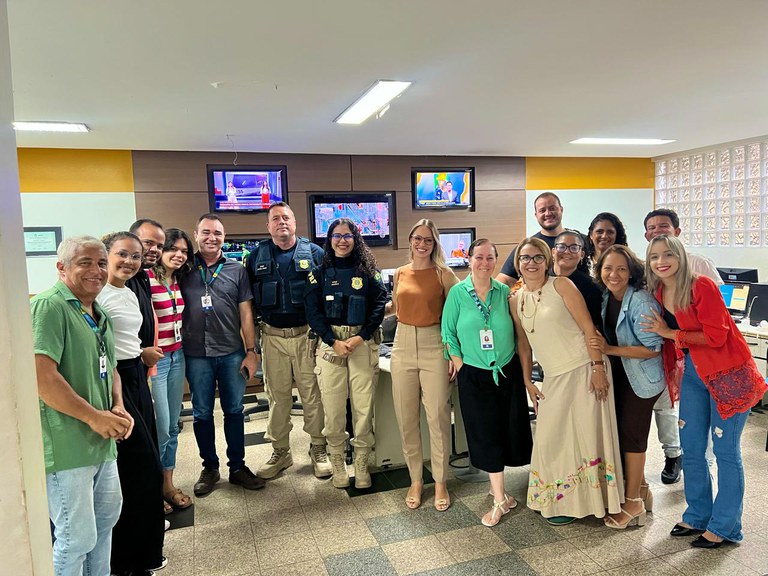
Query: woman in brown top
(418,365)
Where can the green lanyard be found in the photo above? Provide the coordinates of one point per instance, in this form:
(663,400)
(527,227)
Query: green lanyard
(213,277)
(486,313)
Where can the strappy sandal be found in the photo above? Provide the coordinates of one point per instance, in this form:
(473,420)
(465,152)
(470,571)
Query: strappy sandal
(177,499)
(647,498)
(413,502)
(498,510)
(167,508)
(640,517)
(442,504)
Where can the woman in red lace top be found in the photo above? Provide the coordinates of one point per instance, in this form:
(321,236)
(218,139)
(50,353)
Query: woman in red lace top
(710,369)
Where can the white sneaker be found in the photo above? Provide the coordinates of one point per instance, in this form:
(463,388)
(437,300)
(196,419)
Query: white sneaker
(167,524)
(320,462)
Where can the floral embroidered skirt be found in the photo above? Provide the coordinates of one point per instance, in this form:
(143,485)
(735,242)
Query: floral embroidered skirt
(576,462)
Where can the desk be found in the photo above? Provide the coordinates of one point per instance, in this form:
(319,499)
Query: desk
(388,451)
(757,339)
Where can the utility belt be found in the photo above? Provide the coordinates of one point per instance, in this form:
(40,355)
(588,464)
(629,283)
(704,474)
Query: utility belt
(344,332)
(284,332)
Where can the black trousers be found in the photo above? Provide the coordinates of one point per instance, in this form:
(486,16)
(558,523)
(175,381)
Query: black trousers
(137,539)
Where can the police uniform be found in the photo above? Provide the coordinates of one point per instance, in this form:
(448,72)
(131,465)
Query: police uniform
(278,278)
(341,302)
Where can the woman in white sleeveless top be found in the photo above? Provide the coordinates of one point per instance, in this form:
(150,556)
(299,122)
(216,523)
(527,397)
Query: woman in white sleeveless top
(576,462)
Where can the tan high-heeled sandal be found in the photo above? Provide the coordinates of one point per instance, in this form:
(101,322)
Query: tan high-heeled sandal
(640,517)
(647,497)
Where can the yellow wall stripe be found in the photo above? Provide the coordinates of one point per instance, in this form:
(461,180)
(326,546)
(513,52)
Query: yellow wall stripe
(70,170)
(588,173)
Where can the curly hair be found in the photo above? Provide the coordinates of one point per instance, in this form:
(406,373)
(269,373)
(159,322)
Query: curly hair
(621,233)
(361,254)
(109,239)
(634,264)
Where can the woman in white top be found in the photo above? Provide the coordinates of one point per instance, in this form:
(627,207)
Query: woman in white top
(137,539)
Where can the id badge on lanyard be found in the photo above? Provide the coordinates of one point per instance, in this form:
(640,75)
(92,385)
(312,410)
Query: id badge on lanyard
(486,339)
(103,366)
(206,302)
(177,331)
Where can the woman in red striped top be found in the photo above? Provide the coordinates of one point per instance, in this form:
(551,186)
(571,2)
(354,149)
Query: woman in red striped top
(168,383)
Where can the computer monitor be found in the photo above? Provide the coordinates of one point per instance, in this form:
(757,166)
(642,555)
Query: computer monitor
(736,296)
(738,274)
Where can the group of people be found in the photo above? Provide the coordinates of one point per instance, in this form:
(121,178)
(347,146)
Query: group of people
(137,312)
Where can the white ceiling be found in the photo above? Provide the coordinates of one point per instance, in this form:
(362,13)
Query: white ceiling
(495,77)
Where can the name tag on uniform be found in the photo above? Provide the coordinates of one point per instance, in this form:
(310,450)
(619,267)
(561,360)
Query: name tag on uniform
(486,339)
(103,366)
(177,331)
(329,297)
(206,302)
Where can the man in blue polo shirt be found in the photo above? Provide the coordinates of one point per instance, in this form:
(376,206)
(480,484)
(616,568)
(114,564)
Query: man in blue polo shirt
(81,409)
(217,307)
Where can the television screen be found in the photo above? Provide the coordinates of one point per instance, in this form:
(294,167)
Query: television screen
(371,213)
(440,189)
(455,243)
(238,249)
(245,188)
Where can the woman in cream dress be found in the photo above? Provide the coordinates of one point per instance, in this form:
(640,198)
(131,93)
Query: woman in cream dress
(576,462)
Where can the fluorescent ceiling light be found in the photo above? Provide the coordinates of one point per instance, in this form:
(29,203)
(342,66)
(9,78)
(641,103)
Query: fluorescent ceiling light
(623,141)
(50,127)
(375,99)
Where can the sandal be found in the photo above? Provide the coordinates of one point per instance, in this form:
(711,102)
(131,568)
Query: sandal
(442,504)
(177,499)
(498,510)
(167,508)
(648,498)
(413,502)
(640,517)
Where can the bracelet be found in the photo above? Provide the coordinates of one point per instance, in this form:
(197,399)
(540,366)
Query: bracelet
(597,363)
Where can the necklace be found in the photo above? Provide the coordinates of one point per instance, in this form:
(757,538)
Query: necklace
(536,297)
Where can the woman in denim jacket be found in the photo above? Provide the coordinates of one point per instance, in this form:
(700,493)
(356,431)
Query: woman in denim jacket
(637,366)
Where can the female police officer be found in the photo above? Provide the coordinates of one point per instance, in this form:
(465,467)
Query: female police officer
(345,301)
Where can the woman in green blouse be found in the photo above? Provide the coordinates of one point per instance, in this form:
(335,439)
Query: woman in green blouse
(480,339)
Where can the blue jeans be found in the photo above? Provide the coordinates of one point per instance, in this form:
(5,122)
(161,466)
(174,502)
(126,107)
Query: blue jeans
(204,373)
(698,420)
(84,505)
(167,391)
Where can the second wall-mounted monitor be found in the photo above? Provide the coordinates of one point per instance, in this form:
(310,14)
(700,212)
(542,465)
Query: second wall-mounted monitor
(455,243)
(373,214)
(738,274)
(239,248)
(443,188)
(246,189)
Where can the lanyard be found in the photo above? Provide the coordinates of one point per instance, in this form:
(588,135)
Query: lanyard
(486,313)
(173,296)
(213,277)
(94,327)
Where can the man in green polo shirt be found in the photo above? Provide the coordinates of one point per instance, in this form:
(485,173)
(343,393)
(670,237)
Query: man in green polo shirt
(81,409)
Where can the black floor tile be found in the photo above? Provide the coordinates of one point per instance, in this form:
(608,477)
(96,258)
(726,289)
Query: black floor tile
(387,480)
(255,439)
(181,518)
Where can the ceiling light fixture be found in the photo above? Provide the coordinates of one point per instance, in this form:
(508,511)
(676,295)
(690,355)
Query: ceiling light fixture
(623,141)
(50,127)
(375,99)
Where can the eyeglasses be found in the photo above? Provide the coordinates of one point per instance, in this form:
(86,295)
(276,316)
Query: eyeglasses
(123,255)
(347,236)
(572,248)
(425,241)
(539,258)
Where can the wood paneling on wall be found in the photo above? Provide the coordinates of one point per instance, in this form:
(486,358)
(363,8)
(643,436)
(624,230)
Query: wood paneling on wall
(171,187)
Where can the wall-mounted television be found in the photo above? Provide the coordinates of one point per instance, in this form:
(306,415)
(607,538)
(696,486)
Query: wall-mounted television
(455,243)
(443,188)
(373,214)
(239,248)
(246,189)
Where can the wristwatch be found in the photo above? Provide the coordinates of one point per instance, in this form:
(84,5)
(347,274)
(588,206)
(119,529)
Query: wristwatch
(255,350)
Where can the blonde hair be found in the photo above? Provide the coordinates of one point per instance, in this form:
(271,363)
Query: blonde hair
(437,256)
(538,243)
(683,277)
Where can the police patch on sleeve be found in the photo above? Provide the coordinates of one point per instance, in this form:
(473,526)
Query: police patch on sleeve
(312,279)
(357,282)
(377,276)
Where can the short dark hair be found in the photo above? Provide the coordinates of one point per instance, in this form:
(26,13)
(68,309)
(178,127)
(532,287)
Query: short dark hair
(547,195)
(671,214)
(635,265)
(209,216)
(481,242)
(141,221)
(280,204)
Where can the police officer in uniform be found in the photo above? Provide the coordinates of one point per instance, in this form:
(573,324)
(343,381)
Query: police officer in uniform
(278,270)
(345,300)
